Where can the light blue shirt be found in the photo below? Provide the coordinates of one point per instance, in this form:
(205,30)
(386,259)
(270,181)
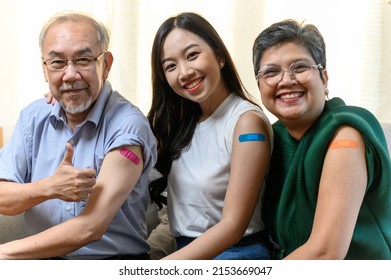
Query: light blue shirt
(37,148)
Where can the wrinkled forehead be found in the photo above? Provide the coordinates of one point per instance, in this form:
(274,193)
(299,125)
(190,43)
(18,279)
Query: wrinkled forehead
(70,36)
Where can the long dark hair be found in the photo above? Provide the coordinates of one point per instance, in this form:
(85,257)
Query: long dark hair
(173,118)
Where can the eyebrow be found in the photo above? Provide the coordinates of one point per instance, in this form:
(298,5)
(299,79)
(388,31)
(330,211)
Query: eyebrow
(305,59)
(184,50)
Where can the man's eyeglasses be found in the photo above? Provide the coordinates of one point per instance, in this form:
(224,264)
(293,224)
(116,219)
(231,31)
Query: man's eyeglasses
(300,71)
(79,62)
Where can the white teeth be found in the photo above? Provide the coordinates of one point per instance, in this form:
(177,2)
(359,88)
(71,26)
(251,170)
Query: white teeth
(291,95)
(193,84)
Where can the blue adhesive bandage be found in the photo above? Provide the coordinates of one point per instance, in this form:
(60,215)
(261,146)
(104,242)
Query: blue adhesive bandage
(251,137)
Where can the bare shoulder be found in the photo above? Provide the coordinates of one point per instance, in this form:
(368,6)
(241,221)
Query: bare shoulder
(252,120)
(348,134)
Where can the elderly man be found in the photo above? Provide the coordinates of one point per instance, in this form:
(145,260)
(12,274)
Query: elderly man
(78,169)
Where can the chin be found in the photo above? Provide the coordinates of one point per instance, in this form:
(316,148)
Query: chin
(75,109)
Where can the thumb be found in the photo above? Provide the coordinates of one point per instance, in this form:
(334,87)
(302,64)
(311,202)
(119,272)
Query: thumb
(68,157)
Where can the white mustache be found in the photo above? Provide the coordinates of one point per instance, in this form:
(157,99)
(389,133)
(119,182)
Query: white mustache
(72,86)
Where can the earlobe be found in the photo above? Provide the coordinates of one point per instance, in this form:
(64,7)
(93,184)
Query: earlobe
(108,62)
(326,76)
(325,80)
(220,59)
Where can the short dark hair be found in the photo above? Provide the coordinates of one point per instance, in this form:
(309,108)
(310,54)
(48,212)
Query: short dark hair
(290,30)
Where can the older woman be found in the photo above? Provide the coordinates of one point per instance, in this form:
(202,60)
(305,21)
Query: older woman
(329,187)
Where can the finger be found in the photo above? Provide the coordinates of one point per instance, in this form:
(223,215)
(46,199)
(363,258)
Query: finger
(48,97)
(86,183)
(87,191)
(90,183)
(83,192)
(68,157)
(89,173)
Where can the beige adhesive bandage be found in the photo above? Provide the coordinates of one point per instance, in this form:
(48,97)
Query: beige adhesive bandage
(343,144)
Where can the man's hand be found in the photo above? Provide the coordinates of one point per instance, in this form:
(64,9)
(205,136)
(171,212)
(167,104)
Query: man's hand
(69,183)
(49,98)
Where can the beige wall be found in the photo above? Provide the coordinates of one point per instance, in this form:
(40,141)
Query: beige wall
(385,109)
(9,108)
(134,23)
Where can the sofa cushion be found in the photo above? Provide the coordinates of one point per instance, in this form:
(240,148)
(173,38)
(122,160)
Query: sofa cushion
(387,131)
(11,228)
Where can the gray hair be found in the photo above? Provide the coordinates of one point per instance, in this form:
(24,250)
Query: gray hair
(102,33)
(306,35)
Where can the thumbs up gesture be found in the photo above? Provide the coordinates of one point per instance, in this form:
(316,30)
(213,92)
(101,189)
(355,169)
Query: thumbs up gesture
(69,183)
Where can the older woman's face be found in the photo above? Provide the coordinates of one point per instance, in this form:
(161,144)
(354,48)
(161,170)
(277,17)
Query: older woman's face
(289,100)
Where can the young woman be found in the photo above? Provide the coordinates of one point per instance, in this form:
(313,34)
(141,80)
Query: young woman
(214,144)
(330,185)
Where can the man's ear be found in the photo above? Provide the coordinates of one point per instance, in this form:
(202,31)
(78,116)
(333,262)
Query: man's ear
(45,72)
(108,60)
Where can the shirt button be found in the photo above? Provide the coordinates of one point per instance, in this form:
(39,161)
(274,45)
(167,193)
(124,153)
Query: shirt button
(72,142)
(68,208)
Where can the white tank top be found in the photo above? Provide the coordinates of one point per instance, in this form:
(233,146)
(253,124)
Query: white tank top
(198,179)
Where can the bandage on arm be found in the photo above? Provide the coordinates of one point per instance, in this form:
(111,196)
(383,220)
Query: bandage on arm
(130,155)
(337,144)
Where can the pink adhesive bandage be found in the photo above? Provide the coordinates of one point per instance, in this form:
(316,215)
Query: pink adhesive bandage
(130,155)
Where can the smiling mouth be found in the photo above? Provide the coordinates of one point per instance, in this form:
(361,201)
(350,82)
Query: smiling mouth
(193,84)
(291,95)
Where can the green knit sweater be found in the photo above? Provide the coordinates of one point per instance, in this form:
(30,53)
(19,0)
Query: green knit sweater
(293,183)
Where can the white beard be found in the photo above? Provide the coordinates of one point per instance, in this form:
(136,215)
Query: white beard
(77,109)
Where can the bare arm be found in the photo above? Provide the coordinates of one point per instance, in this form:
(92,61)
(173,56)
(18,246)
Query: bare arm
(341,192)
(67,183)
(101,207)
(250,161)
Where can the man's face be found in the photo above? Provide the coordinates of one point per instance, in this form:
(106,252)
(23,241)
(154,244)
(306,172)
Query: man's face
(78,85)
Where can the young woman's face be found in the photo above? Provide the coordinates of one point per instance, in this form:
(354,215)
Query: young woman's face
(290,100)
(191,67)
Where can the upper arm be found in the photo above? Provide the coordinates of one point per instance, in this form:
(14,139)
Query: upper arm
(249,164)
(341,192)
(117,177)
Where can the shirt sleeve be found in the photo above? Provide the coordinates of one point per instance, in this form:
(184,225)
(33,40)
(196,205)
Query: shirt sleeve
(15,160)
(134,130)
